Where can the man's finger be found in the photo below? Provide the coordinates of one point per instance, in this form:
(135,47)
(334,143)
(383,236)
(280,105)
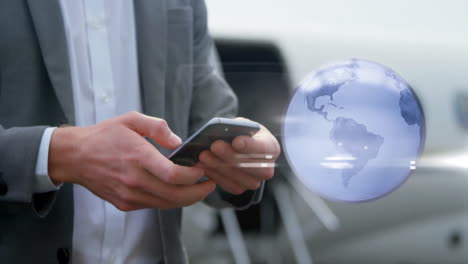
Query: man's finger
(224,182)
(135,199)
(224,151)
(236,175)
(152,127)
(182,195)
(260,166)
(259,169)
(263,142)
(159,166)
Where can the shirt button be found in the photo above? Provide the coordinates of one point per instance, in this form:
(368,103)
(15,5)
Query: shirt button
(3,189)
(63,255)
(96,24)
(105,99)
(3,186)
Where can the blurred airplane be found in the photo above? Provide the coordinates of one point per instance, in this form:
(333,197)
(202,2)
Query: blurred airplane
(266,47)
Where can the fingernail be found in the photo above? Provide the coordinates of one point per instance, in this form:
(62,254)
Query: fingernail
(213,186)
(218,148)
(241,144)
(175,140)
(201,157)
(201,173)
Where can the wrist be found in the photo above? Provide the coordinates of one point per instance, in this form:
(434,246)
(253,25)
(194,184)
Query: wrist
(63,154)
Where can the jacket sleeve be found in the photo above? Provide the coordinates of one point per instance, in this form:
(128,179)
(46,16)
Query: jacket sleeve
(213,97)
(19,148)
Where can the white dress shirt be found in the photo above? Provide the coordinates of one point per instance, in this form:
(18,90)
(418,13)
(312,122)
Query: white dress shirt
(101,43)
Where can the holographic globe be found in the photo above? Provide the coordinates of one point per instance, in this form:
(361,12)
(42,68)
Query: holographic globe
(353,131)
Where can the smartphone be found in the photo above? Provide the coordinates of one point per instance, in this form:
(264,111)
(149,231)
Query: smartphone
(217,128)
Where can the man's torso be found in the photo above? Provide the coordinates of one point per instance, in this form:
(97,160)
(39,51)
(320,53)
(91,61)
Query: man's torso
(35,82)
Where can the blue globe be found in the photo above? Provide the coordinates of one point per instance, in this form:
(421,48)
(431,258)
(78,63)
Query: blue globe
(353,131)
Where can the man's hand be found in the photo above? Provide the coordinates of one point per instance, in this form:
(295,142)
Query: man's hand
(115,162)
(244,164)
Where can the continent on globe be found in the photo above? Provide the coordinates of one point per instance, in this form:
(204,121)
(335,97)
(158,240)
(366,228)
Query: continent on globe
(331,81)
(326,90)
(410,110)
(354,138)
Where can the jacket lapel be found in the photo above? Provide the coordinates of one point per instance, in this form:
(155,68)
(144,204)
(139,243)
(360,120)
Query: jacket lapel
(171,237)
(49,26)
(151,25)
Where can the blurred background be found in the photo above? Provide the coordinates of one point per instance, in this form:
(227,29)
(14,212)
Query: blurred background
(265,48)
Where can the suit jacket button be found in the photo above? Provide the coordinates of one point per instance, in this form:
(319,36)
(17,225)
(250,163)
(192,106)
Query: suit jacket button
(3,186)
(63,255)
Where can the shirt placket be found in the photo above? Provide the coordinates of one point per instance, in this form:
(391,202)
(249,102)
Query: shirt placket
(100,60)
(105,104)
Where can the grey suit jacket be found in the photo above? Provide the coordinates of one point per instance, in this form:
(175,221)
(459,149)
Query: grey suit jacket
(179,83)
